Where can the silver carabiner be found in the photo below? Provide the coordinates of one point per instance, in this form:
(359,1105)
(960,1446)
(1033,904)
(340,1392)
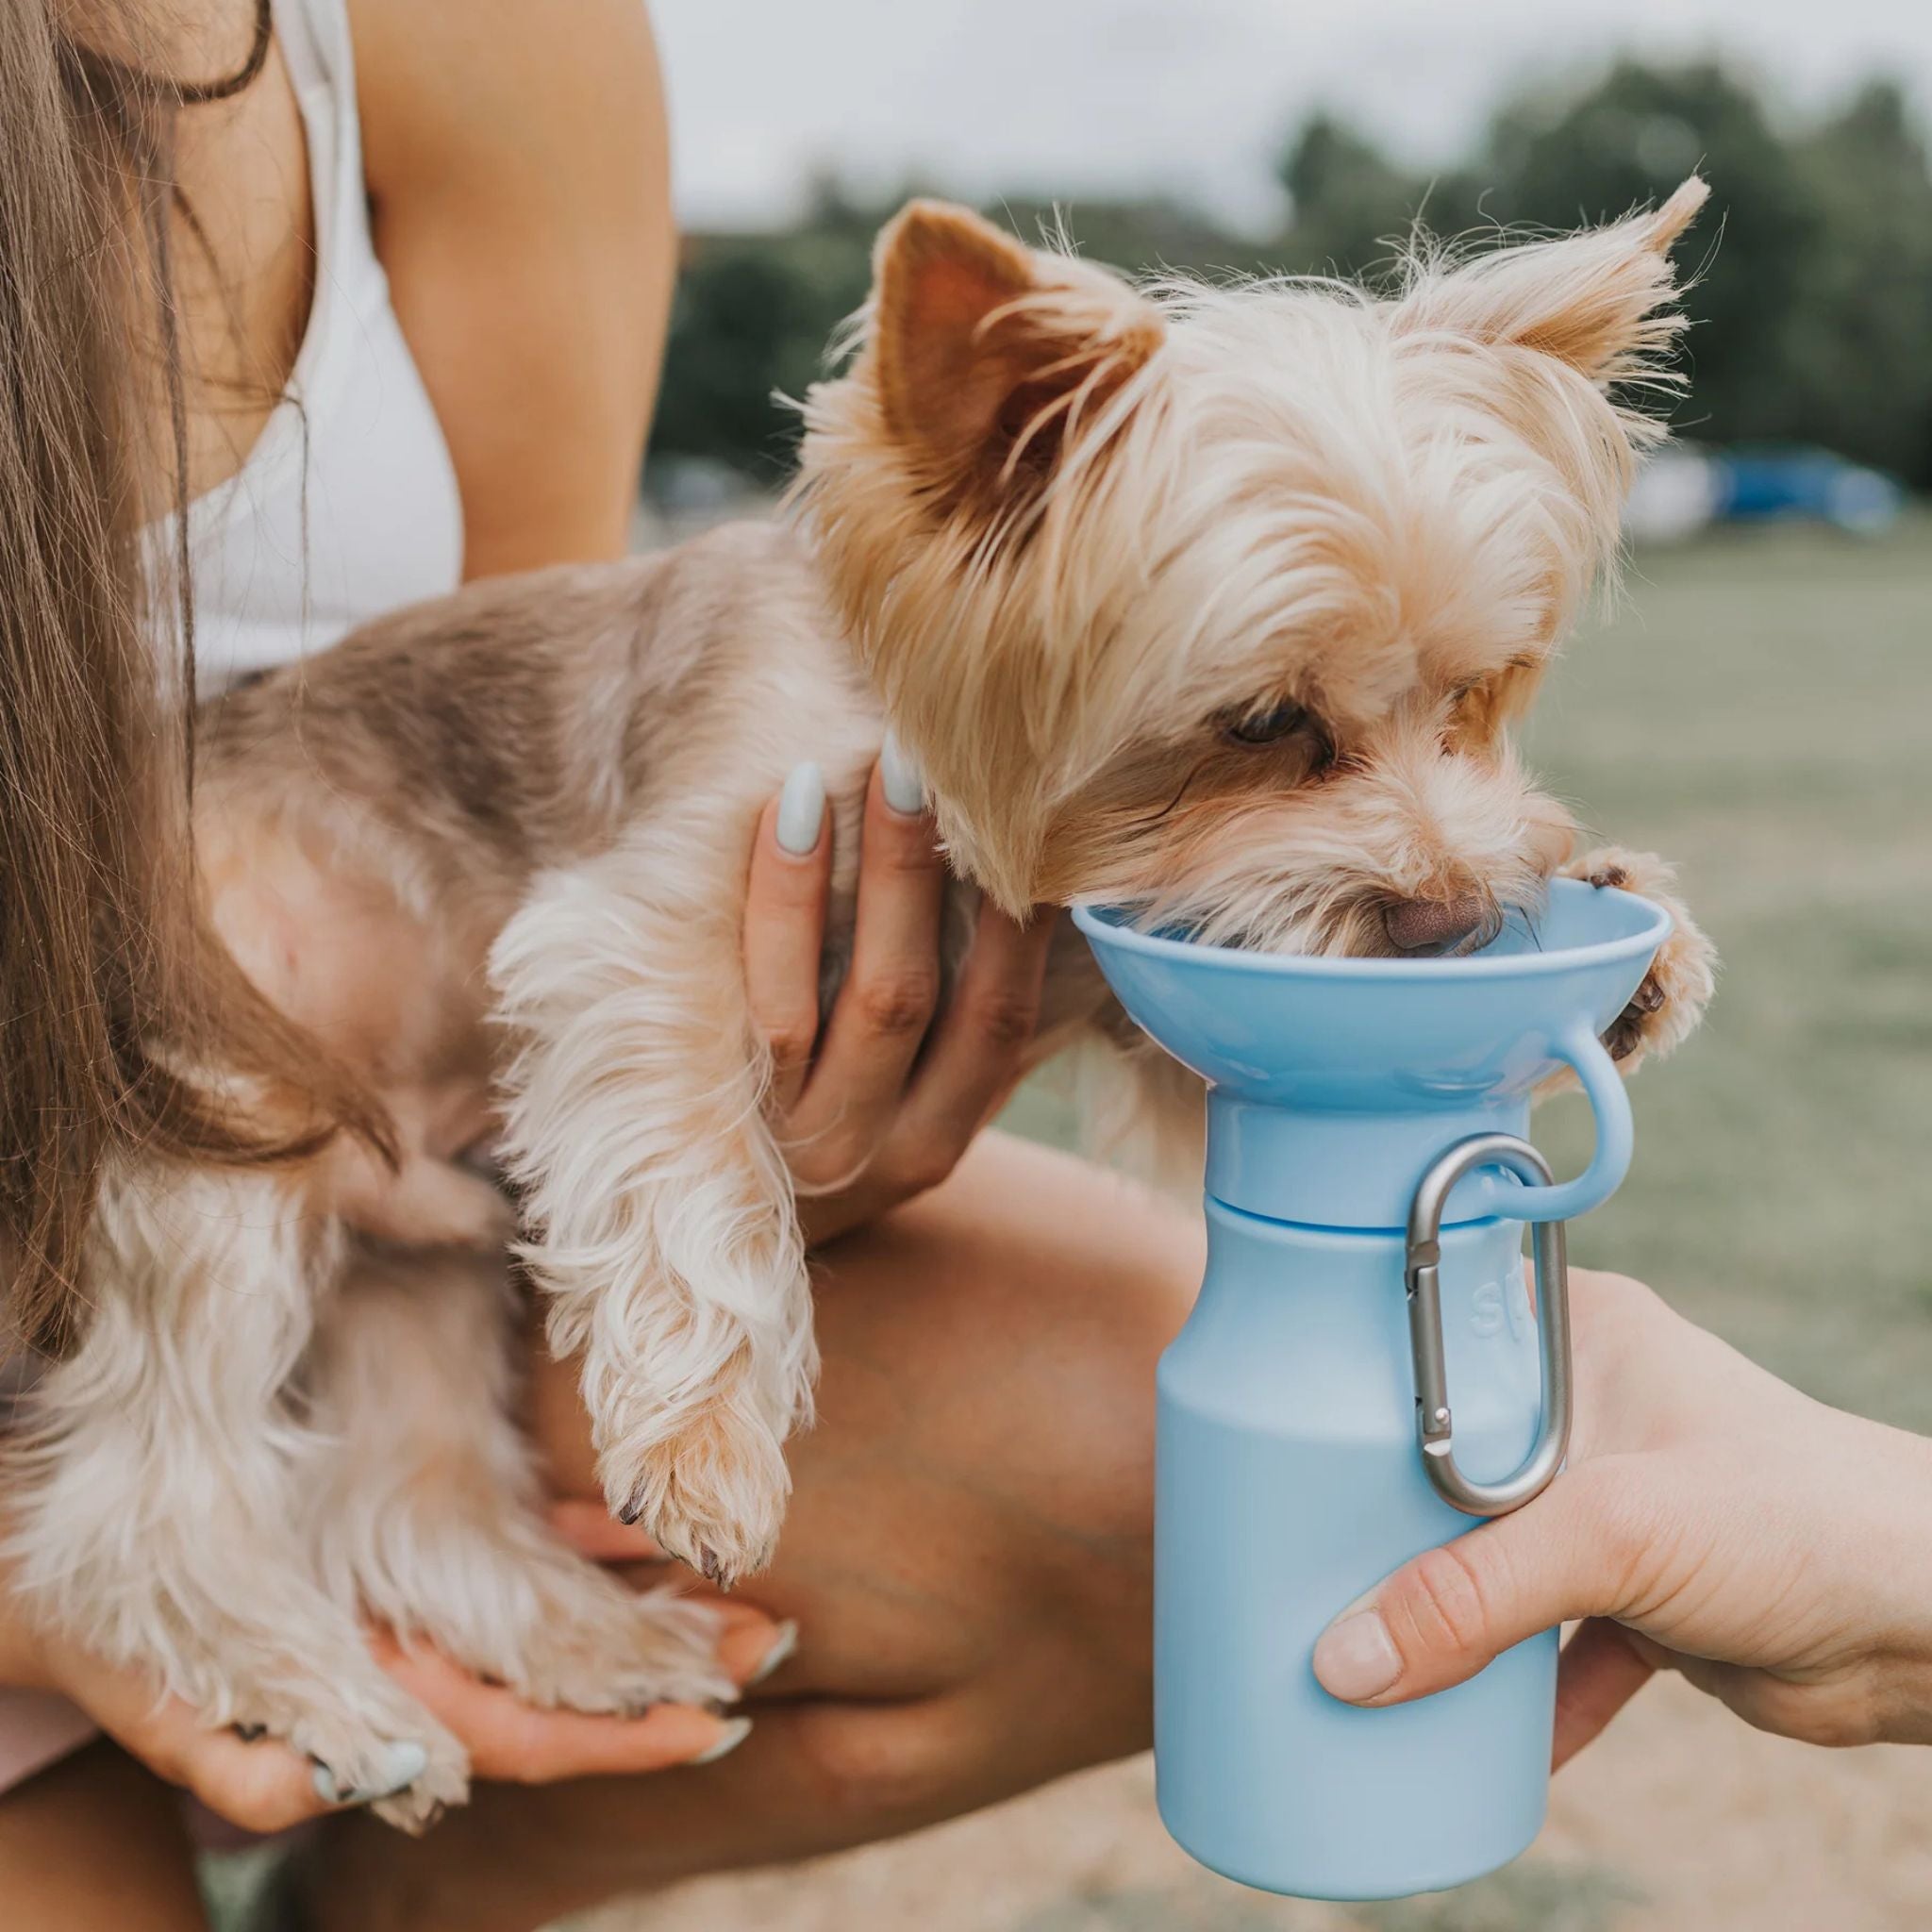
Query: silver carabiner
(1434,1425)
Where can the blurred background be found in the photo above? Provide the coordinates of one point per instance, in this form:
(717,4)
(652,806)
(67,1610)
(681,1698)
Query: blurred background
(1758,706)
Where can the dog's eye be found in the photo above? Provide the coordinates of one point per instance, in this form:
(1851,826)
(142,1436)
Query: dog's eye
(1266,727)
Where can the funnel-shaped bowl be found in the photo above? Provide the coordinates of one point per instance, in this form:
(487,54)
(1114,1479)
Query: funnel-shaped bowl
(1336,1082)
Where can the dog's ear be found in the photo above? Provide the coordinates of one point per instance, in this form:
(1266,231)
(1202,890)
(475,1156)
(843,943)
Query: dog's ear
(1600,301)
(991,359)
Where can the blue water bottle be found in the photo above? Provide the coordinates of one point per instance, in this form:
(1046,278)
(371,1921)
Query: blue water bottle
(1363,1374)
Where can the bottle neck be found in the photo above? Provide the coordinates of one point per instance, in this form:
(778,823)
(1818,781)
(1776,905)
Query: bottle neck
(1336,1168)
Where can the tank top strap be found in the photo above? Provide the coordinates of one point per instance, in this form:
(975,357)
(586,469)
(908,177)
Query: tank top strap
(320,53)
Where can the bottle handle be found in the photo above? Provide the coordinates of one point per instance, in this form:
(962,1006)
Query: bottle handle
(1435,1422)
(1509,1199)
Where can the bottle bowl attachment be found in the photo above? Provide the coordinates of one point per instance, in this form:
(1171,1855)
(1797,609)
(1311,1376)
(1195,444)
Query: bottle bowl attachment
(1338,1081)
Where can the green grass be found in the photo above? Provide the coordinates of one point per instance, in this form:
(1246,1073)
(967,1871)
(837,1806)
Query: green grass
(1759,709)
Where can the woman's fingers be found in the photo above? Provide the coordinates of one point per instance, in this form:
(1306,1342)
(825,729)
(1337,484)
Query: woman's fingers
(879,1103)
(261,1786)
(591,1531)
(1603,1668)
(980,1050)
(1449,1611)
(750,1645)
(891,989)
(783,928)
(512,1740)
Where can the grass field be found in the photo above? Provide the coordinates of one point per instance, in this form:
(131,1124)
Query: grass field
(1759,709)
(1761,712)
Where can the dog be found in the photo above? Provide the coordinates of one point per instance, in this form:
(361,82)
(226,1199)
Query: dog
(1216,602)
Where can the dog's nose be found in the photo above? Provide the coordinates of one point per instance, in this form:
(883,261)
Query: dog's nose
(1428,926)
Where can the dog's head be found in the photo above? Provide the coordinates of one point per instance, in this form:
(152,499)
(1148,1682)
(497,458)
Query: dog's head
(1219,601)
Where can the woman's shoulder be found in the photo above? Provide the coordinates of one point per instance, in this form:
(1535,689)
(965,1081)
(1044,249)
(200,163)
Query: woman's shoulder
(439,83)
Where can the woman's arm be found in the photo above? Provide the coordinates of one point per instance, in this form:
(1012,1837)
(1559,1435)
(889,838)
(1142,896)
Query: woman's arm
(519,176)
(1710,1521)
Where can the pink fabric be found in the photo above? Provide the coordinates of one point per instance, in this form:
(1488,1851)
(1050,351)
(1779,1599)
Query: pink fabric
(36,1727)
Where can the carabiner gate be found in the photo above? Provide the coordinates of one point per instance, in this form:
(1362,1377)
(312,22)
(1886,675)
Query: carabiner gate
(1435,1427)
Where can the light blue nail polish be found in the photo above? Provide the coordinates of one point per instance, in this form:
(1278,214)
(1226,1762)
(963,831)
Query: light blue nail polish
(901,775)
(403,1762)
(783,1644)
(733,1735)
(801,809)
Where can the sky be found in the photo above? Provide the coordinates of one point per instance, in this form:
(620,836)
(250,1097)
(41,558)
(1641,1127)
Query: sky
(1061,98)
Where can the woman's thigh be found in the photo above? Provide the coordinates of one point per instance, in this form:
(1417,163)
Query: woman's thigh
(96,1842)
(967,1554)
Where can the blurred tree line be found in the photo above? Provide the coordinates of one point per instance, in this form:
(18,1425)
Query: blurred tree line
(1812,309)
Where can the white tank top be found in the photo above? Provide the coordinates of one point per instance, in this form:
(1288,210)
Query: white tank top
(347,506)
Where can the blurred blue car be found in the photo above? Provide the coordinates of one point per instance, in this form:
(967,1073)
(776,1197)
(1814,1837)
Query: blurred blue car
(1686,488)
(1760,484)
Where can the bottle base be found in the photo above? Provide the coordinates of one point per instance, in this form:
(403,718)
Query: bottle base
(1332,1883)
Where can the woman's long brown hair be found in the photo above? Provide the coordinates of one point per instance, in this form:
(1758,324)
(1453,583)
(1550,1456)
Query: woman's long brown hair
(124,1021)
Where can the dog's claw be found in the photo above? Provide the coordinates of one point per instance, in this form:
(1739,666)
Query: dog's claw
(1626,1032)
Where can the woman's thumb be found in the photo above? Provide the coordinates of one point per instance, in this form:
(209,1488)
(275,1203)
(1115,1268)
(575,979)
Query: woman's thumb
(1447,1612)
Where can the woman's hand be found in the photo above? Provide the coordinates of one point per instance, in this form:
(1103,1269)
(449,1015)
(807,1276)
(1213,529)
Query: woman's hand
(1710,1521)
(265,1786)
(890,1100)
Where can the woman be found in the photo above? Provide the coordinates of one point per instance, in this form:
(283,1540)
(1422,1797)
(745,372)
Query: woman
(967,1553)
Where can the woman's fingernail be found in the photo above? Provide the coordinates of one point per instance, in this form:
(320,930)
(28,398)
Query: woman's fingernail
(735,1732)
(403,1763)
(1356,1658)
(900,774)
(783,1644)
(801,809)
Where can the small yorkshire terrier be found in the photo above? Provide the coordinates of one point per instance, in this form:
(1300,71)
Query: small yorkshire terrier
(1215,601)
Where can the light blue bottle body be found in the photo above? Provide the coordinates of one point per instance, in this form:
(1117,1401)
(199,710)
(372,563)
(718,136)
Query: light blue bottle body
(1287,1484)
(1289,1479)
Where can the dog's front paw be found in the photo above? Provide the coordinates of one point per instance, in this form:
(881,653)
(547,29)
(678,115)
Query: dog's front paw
(579,1639)
(382,1751)
(712,1489)
(616,1653)
(1669,1002)
(444,1781)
